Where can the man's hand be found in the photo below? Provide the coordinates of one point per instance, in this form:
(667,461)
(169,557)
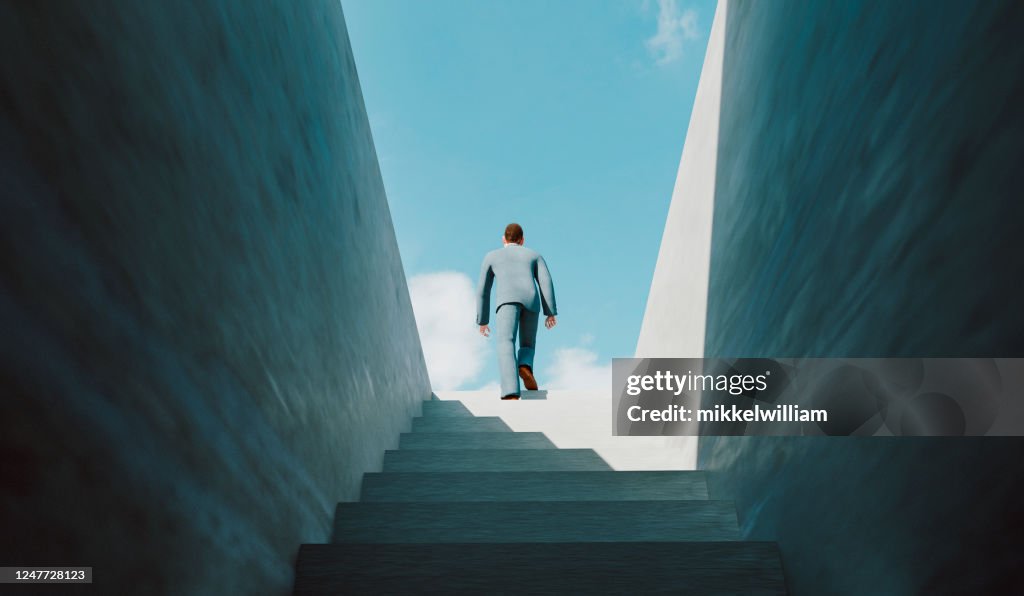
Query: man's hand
(550,322)
(485,331)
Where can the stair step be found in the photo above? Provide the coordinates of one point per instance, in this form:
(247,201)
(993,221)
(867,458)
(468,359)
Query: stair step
(533,486)
(486,440)
(536,521)
(457,424)
(432,408)
(493,460)
(582,568)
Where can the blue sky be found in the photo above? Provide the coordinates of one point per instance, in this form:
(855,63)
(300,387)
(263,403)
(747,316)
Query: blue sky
(567,116)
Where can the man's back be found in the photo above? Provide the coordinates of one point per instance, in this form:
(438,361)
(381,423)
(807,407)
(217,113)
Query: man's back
(519,270)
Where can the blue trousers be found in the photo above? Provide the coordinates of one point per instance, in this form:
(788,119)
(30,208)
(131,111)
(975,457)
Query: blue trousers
(510,319)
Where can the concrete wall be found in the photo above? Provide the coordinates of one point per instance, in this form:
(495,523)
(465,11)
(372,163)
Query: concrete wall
(207,335)
(867,203)
(673,323)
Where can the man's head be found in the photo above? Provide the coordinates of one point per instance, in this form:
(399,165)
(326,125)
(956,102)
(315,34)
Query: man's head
(513,234)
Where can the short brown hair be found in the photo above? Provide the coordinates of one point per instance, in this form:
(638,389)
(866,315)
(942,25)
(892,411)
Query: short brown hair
(513,232)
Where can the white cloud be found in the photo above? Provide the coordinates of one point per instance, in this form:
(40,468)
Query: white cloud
(576,368)
(445,308)
(674,27)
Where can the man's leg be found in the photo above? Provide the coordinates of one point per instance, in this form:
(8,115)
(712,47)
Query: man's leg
(527,338)
(506,324)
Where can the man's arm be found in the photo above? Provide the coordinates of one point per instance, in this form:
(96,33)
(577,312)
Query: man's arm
(547,288)
(483,293)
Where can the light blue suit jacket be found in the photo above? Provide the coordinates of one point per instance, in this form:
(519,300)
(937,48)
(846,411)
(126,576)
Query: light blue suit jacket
(519,271)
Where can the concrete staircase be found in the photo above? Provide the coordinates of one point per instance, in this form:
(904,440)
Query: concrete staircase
(466,505)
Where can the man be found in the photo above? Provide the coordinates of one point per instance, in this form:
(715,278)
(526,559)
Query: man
(519,272)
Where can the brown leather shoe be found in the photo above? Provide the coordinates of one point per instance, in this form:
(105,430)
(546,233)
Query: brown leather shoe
(511,396)
(527,376)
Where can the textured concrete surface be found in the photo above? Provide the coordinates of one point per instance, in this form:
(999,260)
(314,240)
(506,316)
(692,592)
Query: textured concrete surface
(867,203)
(450,424)
(867,198)
(207,332)
(434,407)
(533,486)
(498,460)
(535,521)
(532,530)
(696,568)
(474,440)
